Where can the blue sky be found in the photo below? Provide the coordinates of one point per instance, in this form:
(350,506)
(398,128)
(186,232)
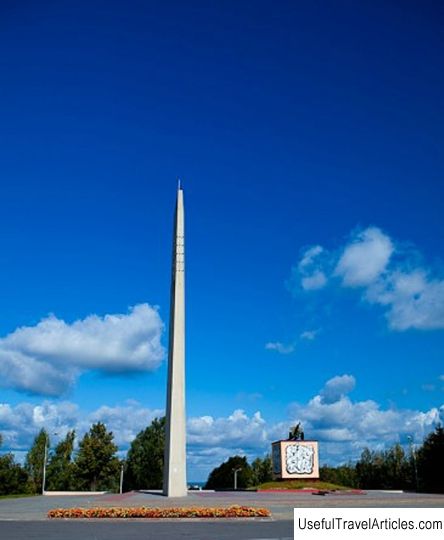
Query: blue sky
(309,140)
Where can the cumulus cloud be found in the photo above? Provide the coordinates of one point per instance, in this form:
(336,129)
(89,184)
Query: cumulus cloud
(336,388)
(47,358)
(25,373)
(410,295)
(238,429)
(21,423)
(365,258)
(279,347)
(211,440)
(343,426)
(346,427)
(413,300)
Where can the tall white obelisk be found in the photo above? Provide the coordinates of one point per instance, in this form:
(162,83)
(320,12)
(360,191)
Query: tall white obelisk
(174,478)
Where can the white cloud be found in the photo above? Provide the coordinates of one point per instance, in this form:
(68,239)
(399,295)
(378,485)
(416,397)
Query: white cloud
(279,347)
(411,296)
(316,281)
(47,358)
(309,269)
(336,388)
(21,423)
(413,299)
(309,335)
(236,430)
(309,257)
(25,373)
(365,258)
(343,427)
(211,440)
(125,421)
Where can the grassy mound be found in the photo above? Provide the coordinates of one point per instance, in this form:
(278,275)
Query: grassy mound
(159,513)
(301,484)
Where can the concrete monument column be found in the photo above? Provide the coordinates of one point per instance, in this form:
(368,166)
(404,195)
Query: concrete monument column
(174,478)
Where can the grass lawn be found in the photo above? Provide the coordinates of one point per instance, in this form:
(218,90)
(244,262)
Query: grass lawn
(18,496)
(301,484)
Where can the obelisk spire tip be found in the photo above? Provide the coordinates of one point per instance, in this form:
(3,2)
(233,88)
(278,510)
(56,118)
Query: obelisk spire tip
(179,184)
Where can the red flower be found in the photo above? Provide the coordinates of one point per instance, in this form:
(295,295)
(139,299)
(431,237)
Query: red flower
(159,513)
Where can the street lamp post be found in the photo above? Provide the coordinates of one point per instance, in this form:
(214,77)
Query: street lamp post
(121,479)
(45,459)
(413,453)
(235,477)
(44,463)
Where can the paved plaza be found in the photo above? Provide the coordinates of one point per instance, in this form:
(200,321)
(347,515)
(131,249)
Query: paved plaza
(26,517)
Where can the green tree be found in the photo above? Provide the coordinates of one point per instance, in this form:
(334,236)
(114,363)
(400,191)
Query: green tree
(261,470)
(144,463)
(60,471)
(384,470)
(34,461)
(430,462)
(397,469)
(370,470)
(13,478)
(222,477)
(96,464)
(344,475)
(365,469)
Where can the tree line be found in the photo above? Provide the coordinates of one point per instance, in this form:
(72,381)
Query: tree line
(222,477)
(416,470)
(96,466)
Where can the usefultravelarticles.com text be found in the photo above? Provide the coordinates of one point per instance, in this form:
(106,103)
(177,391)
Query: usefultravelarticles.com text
(369,523)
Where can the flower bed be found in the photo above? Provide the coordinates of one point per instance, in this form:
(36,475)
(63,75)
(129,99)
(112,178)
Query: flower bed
(159,513)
